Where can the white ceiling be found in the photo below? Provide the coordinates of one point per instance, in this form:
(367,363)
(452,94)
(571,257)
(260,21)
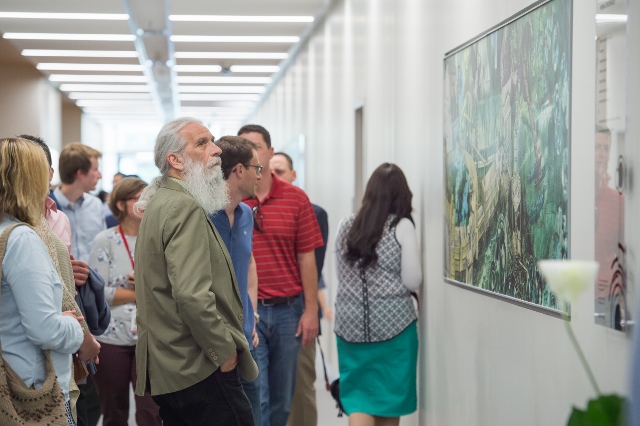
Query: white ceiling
(160,84)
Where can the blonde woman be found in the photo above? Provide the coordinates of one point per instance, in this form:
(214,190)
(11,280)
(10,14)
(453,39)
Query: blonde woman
(32,320)
(112,257)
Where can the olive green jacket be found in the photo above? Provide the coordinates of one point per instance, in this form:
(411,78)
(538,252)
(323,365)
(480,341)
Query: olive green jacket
(189,306)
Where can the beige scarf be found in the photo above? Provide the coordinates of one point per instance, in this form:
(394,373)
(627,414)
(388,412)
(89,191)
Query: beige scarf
(61,260)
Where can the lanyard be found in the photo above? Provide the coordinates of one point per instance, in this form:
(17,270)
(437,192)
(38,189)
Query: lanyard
(126,245)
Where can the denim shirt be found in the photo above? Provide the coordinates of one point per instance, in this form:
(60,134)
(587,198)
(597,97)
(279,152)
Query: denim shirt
(30,311)
(86,219)
(239,242)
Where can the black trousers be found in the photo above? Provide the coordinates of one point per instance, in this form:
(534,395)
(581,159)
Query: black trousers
(217,400)
(88,405)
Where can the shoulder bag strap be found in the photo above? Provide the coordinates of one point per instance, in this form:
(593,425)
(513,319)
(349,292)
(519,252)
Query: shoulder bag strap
(4,237)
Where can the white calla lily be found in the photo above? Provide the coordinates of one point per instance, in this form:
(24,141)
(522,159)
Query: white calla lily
(567,279)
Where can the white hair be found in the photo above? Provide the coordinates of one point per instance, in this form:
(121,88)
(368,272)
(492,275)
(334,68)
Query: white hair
(168,141)
(205,183)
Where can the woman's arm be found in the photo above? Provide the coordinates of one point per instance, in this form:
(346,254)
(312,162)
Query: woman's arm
(34,291)
(411,262)
(100,260)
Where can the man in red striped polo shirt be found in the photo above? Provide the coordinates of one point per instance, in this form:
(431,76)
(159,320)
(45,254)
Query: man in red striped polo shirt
(286,233)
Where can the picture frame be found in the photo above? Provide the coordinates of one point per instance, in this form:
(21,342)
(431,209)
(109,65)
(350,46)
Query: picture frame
(507,139)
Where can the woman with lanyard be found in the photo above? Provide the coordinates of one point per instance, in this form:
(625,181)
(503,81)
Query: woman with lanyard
(112,257)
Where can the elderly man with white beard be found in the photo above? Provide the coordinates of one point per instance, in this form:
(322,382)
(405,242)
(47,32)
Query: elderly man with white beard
(191,345)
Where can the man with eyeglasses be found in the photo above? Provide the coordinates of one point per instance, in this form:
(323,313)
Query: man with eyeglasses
(242,171)
(286,233)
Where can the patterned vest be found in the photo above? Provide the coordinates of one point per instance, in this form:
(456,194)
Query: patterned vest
(372,304)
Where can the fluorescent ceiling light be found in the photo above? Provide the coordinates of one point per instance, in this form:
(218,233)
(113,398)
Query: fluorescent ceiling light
(218,97)
(98,95)
(113,102)
(103,88)
(254,68)
(221,89)
(99,78)
(223,80)
(238,18)
(231,55)
(218,108)
(62,36)
(46,66)
(197,68)
(121,109)
(235,39)
(37,15)
(82,53)
(610,18)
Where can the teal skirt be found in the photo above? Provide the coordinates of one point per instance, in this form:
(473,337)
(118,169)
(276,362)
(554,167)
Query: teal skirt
(379,379)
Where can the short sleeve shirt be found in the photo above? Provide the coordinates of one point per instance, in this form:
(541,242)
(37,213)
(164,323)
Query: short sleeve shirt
(239,245)
(289,226)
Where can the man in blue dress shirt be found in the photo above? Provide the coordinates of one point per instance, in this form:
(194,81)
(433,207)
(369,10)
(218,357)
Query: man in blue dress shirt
(241,169)
(79,173)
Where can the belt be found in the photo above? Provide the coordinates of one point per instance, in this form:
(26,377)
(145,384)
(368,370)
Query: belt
(278,300)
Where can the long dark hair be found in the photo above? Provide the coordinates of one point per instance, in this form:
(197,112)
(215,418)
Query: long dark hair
(387,193)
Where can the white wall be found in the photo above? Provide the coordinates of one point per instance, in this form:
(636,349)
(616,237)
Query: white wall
(483,361)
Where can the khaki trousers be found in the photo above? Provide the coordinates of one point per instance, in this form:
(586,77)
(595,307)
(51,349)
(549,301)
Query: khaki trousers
(303,406)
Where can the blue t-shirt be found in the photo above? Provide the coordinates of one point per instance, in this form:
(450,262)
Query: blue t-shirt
(239,242)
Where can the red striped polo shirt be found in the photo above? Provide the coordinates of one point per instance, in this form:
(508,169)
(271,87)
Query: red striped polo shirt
(289,227)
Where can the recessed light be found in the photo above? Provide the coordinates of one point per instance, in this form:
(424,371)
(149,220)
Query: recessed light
(238,18)
(218,97)
(37,15)
(212,109)
(62,36)
(231,55)
(115,105)
(234,39)
(107,95)
(104,88)
(46,66)
(197,68)
(221,89)
(254,68)
(223,79)
(82,53)
(99,78)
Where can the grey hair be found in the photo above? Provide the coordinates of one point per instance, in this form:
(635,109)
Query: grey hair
(170,141)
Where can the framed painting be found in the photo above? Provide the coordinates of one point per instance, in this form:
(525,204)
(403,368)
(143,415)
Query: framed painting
(507,110)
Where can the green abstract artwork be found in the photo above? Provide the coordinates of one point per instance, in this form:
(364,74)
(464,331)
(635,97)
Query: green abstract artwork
(506,142)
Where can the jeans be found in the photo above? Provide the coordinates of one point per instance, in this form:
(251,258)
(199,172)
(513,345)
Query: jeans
(218,399)
(277,357)
(252,390)
(88,405)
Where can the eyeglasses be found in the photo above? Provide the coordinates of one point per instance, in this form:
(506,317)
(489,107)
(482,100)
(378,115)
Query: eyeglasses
(258,168)
(257,218)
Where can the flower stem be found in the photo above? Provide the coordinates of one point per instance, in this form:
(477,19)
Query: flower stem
(583,359)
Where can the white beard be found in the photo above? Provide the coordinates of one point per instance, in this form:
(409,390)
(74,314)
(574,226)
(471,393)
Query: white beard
(206,184)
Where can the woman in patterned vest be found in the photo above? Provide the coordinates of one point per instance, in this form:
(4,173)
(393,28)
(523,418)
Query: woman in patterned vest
(378,268)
